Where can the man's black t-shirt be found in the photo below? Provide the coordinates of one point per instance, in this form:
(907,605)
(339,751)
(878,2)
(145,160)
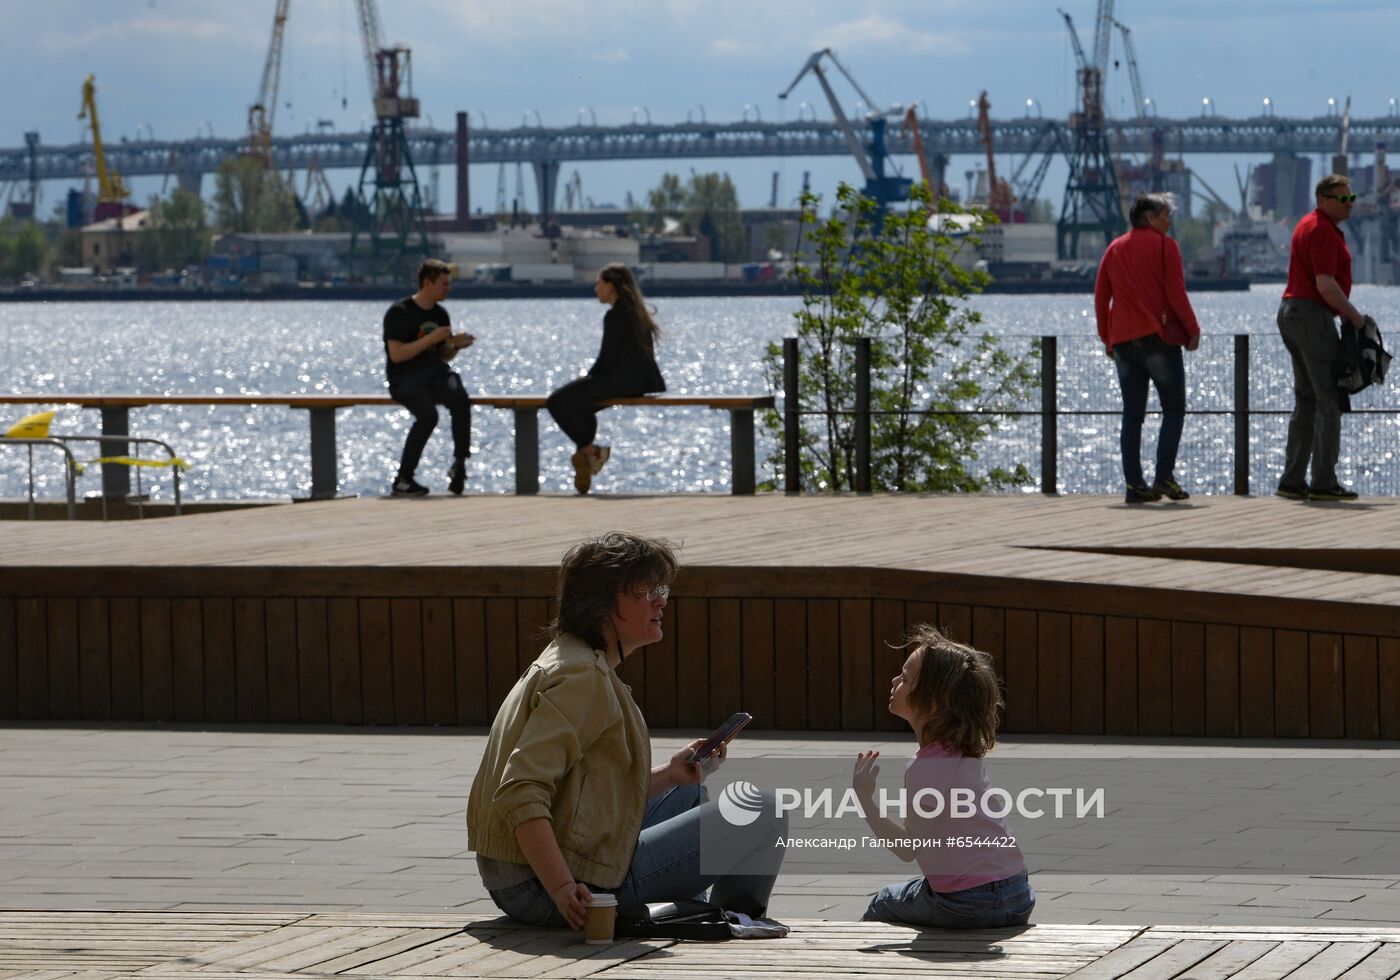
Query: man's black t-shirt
(406,321)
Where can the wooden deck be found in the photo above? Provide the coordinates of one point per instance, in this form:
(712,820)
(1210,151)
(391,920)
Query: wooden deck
(1226,616)
(283,946)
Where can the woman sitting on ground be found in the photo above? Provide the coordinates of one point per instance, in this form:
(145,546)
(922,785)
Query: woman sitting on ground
(625,368)
(567,802)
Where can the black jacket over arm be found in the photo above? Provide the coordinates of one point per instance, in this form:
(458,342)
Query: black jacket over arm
(623,367)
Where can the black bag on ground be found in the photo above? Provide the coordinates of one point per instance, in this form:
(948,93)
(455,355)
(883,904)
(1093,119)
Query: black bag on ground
(682,919)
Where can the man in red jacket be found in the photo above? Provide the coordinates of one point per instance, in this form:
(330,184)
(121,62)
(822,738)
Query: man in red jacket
(1145,318)
(1318,291)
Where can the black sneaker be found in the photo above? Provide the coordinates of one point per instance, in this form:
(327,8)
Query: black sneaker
(457,477)
(1141,495)
(1170,489)
(408,488)
(1291,492)
(1338,492)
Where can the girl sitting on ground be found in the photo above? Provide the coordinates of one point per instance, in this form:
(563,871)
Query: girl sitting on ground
(948,694)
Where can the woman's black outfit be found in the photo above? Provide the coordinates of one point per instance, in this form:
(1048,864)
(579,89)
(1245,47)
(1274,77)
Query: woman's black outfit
(624,369)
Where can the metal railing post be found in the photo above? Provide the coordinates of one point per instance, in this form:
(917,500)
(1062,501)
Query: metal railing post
(792,465)
(33,513)
(862,419)
(325,482)
(527,452)
(116,477)
(70,474)
(741,449)
(1049,415)
(1242,415)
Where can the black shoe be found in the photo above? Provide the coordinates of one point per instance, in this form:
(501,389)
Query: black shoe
(457,477)
(1141,495)
(1338,492)
(1169,489)
(408,488)
(1291,492)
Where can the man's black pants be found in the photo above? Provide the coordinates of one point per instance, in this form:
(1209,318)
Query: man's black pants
(421,398)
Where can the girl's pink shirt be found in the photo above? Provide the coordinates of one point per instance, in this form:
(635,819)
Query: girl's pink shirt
(955,868)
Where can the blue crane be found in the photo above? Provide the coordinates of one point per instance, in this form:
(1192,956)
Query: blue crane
(870,156)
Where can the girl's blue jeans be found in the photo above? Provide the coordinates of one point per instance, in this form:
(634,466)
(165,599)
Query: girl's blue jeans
(999,903)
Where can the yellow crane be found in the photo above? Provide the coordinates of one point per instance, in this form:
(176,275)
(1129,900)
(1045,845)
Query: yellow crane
(261,112)
(111,192)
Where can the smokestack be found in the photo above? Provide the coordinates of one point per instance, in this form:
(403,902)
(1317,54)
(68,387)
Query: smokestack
(464,192)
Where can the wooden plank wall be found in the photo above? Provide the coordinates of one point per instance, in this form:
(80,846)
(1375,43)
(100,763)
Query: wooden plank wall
(819,662)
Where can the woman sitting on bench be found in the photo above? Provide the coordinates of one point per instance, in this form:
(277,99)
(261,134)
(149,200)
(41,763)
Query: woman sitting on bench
(625,367)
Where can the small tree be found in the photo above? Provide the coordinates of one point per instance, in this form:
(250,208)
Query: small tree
(24,249)
(707,205)
(902,287)
(712,209)
(250,196)
(176,235)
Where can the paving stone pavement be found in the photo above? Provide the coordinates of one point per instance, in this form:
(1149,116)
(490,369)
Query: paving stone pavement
(374,820)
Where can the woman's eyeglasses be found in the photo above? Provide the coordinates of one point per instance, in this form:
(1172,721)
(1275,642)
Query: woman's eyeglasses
(651,594)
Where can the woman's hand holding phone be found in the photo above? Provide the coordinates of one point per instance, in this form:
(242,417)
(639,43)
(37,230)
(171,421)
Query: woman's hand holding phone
(686,770)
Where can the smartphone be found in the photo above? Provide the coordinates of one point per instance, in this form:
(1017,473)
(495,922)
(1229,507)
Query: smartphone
(722,734)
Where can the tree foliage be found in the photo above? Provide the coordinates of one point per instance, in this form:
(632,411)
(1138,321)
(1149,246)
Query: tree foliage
(707,205)
(250,196)
(176,233)
(24,249)
(897,282)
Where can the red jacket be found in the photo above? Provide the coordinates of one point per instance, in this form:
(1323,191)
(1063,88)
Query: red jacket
(1140,282)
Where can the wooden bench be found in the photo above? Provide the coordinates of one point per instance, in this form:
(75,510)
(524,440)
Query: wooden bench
(325,481)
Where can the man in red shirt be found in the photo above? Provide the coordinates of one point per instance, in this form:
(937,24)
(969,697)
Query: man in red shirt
(1319,284)
(1144,319)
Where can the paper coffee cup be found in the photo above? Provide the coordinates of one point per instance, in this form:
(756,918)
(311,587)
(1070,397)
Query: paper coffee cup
(600,919)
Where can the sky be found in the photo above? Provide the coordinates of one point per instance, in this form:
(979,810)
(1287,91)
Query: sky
(180,68)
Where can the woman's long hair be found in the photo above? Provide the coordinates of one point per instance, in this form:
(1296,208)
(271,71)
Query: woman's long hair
(632,305)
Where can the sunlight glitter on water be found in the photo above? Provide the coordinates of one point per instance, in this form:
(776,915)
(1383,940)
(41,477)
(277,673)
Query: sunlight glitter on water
(533,346)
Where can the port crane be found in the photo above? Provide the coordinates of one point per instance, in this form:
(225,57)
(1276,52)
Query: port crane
(261,112)
(870,157)
(1339,159)
(936,186)
(392,230)
(1091,204)
(1151,134)
(999,196)
(111,191)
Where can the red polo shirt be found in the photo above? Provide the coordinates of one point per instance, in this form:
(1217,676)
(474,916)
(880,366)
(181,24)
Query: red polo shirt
(1140,279)
(1319,249)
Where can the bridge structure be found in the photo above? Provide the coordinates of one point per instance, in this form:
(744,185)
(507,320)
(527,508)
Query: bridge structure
(546,148)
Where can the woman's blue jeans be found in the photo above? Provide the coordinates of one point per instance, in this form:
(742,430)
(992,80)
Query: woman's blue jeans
(1138,361)
(666,864)
(999,903)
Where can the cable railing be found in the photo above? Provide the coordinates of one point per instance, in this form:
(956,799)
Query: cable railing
(1242,397)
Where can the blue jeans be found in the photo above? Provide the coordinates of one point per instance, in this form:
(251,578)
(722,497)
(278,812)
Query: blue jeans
(1149,358)
(666,863)
(999,903)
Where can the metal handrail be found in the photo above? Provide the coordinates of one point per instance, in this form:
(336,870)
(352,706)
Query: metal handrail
(70,471)
(174,470)
(74,467)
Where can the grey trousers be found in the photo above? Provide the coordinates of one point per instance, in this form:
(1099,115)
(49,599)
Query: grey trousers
(1315,428)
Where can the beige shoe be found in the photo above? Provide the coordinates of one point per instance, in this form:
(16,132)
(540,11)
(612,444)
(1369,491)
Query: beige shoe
(596,462)
(583,471)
